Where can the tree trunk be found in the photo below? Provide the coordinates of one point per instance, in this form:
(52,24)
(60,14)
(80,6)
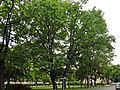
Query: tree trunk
(64,76)
(95,79)
(53,82)
(87,82)
(91,83)
(64,83)
(8,82)
(2,62)
(36,82)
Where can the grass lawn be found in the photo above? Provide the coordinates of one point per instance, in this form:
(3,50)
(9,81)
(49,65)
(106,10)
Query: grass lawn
(59,88)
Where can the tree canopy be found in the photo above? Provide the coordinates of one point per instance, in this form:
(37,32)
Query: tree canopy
(52,36)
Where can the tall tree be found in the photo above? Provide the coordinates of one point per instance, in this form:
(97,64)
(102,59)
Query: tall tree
(59,34)
(5,32)
(45,32)
(96,49)
(11,15)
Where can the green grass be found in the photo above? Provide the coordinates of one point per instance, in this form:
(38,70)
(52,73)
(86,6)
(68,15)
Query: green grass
(41,88)
(59,88)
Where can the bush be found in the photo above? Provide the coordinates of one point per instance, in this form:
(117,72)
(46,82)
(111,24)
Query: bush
(17,87)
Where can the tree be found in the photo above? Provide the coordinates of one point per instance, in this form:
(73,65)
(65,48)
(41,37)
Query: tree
(18,65)
(11,16)
(114,71)
(93,44)
(111,72)
(89,39)
(51,30)
(5,32)
(44,32)
(59,35)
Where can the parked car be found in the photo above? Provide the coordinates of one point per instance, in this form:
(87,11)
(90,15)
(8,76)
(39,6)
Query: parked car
(117,86)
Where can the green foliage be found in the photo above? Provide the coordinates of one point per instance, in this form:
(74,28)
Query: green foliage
(53,37)
(17,66)
(114,73)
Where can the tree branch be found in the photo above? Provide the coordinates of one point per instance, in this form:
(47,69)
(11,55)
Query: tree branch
(45,70)
(5,34)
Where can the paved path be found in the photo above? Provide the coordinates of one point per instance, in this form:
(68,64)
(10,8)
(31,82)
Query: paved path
(106,88)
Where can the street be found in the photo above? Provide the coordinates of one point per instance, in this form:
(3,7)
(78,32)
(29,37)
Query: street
(106,88)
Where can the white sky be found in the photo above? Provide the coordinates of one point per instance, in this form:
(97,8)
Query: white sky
(111,9)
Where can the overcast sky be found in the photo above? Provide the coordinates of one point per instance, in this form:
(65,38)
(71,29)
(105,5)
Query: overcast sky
(111,9)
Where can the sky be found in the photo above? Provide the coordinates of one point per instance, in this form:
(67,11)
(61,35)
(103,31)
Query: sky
(111,9)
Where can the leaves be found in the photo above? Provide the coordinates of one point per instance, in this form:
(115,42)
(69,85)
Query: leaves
(51,35)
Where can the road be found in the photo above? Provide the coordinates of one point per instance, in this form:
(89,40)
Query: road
(106,88)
